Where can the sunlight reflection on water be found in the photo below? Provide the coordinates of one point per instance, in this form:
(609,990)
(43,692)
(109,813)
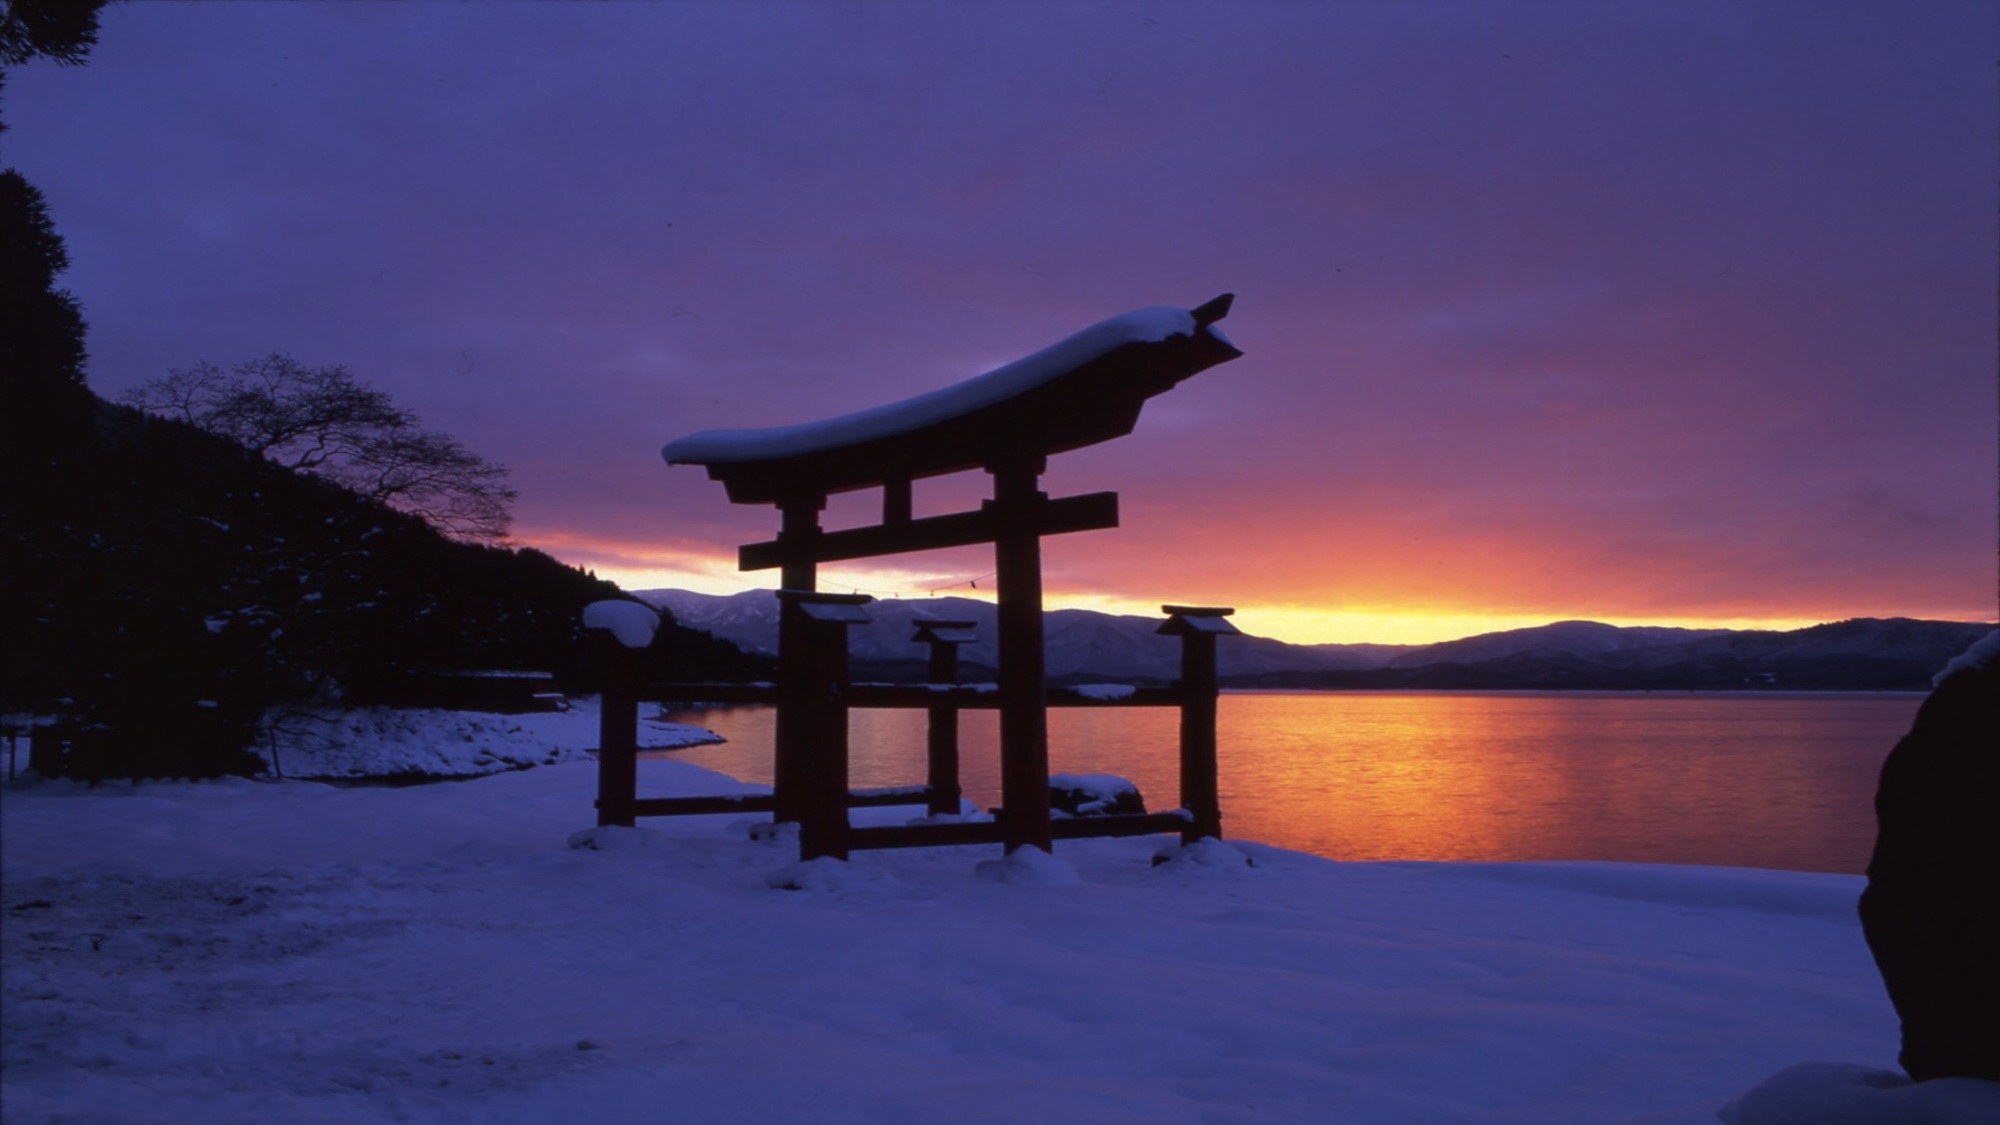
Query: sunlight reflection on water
(1751,780)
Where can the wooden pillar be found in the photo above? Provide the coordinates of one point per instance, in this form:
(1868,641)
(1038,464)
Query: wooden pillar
(1200,789)
(1024,720)
(897,504)
(822,716)
(823,823)
(792,734)
(618,731)
(45,750)
(1201,796)
(941,737)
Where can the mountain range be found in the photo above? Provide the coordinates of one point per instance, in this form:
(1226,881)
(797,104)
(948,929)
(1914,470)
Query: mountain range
(1863,654)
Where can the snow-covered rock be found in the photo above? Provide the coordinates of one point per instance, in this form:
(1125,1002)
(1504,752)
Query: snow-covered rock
(1094,794)
(1845,1094)
(1983,652)
(1205,854)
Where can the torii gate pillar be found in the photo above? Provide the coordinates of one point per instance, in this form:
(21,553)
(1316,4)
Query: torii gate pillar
(1024,719)
(792,764)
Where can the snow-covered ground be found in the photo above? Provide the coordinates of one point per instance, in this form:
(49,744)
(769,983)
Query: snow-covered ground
(257,951)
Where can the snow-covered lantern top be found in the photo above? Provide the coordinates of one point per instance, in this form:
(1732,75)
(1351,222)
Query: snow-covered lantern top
(1183,620)
(631,623)
(935,631)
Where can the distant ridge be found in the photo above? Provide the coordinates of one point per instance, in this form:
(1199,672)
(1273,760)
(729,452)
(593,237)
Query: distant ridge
(1585,639)
(1864,654)
(1082,645)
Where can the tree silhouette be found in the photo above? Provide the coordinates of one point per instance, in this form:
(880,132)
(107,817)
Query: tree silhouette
(63,30)
(47,409)
(324,421)
(60,30)
(43,336)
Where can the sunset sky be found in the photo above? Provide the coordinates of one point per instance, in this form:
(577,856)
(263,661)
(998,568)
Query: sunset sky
(1664,313)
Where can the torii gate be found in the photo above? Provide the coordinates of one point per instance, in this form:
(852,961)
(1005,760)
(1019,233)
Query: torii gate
(1086,389)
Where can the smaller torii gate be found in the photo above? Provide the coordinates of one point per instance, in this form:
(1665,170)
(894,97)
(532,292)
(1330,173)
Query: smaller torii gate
(1086,389)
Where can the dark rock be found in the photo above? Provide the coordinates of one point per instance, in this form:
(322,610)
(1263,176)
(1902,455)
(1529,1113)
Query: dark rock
(1094,795)
(1931,912)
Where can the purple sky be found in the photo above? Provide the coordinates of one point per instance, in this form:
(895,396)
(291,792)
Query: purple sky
(1666,313)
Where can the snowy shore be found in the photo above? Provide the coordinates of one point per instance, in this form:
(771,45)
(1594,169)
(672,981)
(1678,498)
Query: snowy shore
(377,743)
(246,951)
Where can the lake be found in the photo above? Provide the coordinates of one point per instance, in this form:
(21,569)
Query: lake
(1753,779)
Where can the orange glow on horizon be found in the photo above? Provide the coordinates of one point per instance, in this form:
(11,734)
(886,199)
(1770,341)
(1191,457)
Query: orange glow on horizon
(1290,622)
(1309,592)
(1298,624)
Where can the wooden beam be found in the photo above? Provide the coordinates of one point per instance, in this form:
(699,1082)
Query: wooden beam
(925,835)
(701,806)
(906,697)
(994,831)
(887,796)
(1093,511)
(765,802)
(1124,824)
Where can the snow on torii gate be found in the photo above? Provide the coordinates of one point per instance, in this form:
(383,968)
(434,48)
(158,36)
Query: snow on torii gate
(1086,389)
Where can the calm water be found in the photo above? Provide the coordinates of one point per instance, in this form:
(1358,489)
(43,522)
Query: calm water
(1750,780)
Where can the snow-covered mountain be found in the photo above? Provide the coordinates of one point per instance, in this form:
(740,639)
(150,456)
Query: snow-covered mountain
(1865,653)
(1081,644)
(748,619)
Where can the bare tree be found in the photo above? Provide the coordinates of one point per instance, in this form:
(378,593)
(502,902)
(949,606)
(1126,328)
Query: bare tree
(432,475)
(325,421)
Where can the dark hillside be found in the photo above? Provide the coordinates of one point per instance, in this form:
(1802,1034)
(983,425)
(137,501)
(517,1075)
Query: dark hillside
(1863,654)
(167,585)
